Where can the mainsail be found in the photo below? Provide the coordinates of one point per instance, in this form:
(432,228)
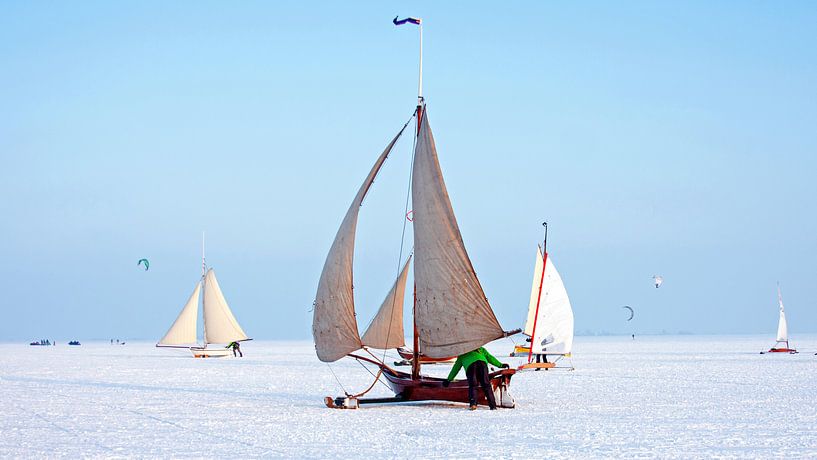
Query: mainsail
(183,330)
(782,327)
(386,329)
(451,312)
(553,333)
(220,326)
(334,326)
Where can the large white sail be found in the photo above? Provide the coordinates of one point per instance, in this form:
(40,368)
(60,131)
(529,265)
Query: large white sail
(386,328)
(334,326)
(183,330)
(451,312)
(220,326)
(782,327)
(554,322)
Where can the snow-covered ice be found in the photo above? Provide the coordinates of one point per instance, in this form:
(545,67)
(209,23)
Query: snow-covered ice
(685,396)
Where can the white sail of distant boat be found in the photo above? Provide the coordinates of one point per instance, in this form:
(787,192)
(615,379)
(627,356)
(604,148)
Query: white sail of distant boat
(551,330)
(549,323)
(782,327)
(782,345)
(220,325)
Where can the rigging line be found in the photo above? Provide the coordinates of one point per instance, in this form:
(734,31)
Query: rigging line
(376,379)
(337,379)
(403,233)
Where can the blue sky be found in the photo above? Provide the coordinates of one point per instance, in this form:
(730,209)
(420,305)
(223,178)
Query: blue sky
(675,139)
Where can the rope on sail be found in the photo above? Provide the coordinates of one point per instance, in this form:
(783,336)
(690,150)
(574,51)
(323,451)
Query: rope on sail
(337,379)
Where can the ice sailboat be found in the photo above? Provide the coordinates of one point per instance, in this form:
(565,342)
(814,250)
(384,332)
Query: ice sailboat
(549,325)
(451,314)
(220,325)
(782,345)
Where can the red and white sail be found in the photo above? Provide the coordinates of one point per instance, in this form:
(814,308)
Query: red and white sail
(550,316)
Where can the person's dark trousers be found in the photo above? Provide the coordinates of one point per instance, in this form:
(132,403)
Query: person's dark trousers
(477,373)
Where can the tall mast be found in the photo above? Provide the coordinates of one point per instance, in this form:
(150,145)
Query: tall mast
(420,83)
(539,297)
(203,296)
(420,100)
(415,362)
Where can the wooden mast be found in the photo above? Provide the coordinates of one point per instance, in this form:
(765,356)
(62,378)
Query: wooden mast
(415,362)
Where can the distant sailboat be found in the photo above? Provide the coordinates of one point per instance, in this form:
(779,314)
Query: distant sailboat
(782,330)
(549,324)
(220,326)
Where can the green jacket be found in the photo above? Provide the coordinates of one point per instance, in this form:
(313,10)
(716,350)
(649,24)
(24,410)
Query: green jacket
(465,360)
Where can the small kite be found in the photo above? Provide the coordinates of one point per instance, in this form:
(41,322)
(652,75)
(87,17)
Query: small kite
(632,312)
(658,281)
(145,261)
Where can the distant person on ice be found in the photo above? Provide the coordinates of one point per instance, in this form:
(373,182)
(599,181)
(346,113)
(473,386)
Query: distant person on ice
(236,349)
(476,371)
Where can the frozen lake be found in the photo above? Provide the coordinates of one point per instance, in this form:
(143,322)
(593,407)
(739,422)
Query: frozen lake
(683,396)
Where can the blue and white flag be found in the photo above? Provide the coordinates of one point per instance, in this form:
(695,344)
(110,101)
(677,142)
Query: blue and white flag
(403,21)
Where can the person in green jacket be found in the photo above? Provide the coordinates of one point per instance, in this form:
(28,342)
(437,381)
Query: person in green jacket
(476,371)
(236,349)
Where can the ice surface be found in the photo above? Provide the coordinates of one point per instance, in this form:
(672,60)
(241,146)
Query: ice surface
(688,397)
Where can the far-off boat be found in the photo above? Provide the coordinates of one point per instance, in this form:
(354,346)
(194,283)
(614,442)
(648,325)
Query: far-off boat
(549,325)
(220,326)
(782,345)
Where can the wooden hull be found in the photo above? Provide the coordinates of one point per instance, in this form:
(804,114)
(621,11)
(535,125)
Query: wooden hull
(432,389)
(211,352)
(408,355)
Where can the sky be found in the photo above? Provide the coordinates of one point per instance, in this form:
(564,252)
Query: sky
(654,137)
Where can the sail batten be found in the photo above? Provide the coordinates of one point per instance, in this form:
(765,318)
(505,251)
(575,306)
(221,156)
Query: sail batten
(220,325)
(183,330)
(386,328)
(334,326)
(452,314)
